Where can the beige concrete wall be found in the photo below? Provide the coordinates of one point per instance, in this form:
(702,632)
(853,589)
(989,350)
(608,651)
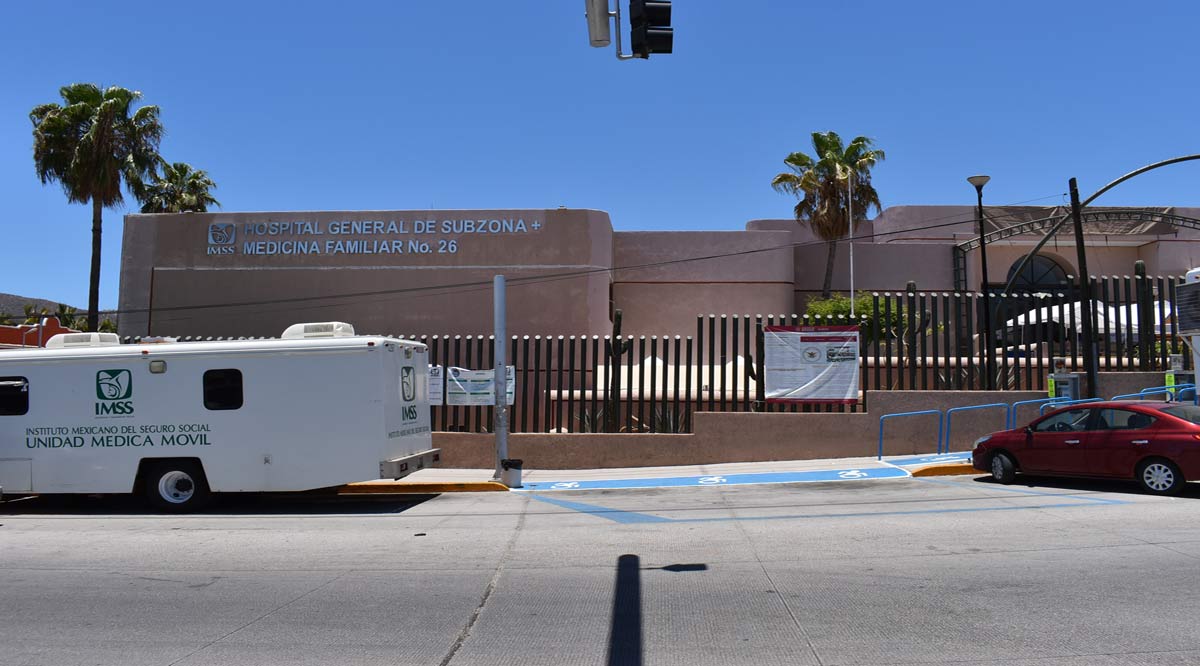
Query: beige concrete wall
(750,437)
(877,267)
(562,272)
(1169,257)
(1115,260)
(172,265)
(1111,384)
(421,307)
(750,272)
(747,437)
(671,309)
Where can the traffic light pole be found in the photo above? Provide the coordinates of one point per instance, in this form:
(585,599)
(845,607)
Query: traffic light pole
(649,24)
(616,15)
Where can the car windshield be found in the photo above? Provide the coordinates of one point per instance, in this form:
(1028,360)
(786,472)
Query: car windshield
(1189,413)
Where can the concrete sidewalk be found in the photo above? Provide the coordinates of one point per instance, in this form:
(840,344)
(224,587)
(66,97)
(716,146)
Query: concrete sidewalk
(437,480)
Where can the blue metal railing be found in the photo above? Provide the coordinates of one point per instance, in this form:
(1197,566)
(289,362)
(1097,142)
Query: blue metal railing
(1012,411)
(938,412)
(950,417)
(1171,391)
(946,423)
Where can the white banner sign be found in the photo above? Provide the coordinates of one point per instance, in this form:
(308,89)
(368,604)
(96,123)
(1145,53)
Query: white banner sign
(437,385)
(816,364)
(474,387)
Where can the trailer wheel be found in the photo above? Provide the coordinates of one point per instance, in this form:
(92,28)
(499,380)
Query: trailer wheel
(176,486)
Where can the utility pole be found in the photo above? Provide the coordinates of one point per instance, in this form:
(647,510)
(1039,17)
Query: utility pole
(1085,293)
(850,220)
(989,352)
(500,381)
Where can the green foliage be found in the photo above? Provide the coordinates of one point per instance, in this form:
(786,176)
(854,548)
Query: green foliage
(838,307)
(91,144)
(67,316)
(591,421)
(667,421)
(956,379)
(180,189)
(822,185)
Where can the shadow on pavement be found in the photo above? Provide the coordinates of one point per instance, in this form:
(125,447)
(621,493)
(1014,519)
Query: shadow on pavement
(1190,491)
(222,505)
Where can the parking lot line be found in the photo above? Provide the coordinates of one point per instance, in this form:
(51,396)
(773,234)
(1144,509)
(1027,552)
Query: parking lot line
(633,517)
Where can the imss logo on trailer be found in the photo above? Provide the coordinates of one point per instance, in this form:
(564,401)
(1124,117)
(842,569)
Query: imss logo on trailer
(114,390)
(408,393)
(408,384)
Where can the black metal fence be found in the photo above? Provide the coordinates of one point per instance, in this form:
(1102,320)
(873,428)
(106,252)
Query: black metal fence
(936,341)
(586,384)
(909,340)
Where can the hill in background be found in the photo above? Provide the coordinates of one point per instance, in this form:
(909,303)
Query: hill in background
(12,304)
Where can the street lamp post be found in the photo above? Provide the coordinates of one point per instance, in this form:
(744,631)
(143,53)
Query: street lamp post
(1085,292)
(989,364)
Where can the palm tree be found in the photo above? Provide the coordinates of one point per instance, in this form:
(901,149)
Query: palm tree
(90,144)
(180,189)
(821,185)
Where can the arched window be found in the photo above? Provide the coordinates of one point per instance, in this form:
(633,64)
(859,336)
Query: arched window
(1042,273)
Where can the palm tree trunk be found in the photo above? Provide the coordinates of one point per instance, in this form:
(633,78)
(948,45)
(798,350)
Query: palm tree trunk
(827,290)
(93,316)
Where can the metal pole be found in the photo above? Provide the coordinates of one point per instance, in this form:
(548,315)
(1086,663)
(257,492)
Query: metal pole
(1057,225)
(500,381)
(989,361)
(1085,293)
(850,219)
(616,17)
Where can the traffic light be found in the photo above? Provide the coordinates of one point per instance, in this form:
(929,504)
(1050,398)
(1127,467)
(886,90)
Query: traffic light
(650,27)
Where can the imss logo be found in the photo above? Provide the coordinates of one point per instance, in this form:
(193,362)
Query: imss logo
(408,393)
(408,384)
(221,237)
(114,393)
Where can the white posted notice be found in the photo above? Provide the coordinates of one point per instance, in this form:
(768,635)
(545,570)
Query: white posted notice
(817,364)
(474,387)
(437,385)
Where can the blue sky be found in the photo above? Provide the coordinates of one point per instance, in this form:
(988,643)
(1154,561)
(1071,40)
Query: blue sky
(397,105)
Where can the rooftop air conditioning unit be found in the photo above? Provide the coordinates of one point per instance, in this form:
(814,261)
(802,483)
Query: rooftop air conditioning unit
(71,340)
(326,329)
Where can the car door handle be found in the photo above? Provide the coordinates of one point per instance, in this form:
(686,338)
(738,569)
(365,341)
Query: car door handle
(1072,441)
(1141,441)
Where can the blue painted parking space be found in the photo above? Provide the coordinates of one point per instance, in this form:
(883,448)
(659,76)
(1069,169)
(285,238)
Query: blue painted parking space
(1041,501)
(854,474)
(932,459)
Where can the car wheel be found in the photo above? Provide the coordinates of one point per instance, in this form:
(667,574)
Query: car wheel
(1004,470)
(1159,476)
(176,486)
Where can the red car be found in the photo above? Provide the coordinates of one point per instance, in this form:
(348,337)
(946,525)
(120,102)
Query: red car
(1155,443)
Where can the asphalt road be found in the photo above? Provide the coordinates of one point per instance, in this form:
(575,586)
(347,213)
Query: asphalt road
(942,570)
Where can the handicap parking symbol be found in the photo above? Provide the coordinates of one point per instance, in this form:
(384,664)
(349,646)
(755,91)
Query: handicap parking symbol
(852,474)
(712,480)
(565,485)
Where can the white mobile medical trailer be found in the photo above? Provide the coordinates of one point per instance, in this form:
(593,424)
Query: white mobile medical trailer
(174,421)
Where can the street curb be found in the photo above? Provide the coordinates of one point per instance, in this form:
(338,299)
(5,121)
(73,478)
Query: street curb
(418,487)
(946,470)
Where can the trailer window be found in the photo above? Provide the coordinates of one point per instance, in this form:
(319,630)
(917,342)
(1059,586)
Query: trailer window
(14,396)
(223,389)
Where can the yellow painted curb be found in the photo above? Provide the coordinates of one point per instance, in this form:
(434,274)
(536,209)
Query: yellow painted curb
(425,488)
(946,470)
